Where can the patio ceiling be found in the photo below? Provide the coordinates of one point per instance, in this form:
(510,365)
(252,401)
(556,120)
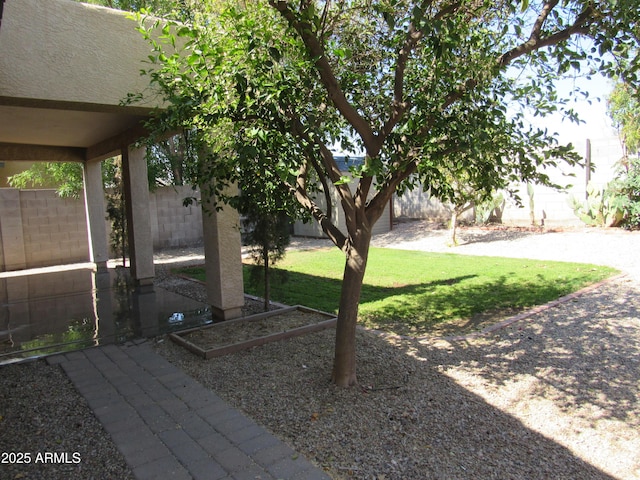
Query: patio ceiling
(65,67)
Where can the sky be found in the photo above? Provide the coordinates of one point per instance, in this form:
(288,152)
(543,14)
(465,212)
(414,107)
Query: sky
(597,123)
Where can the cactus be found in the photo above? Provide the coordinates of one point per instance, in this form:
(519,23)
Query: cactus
(601,208)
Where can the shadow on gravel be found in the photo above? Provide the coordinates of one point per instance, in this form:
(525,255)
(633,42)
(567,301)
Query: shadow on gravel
(407,420)
(587,350)
(497,235)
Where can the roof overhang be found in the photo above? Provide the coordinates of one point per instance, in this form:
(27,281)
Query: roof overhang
(65,69)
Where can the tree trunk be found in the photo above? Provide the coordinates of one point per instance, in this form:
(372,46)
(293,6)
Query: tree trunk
(267,280)
(453,227)
(344,363)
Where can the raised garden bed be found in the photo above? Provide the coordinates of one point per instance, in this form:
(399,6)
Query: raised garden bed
(234,335)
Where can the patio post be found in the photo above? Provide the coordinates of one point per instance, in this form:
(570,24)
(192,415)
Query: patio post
(95,212)
(136,193)
(223,258)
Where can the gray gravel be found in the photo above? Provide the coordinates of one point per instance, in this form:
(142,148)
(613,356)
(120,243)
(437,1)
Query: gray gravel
(555,396)
(42,415)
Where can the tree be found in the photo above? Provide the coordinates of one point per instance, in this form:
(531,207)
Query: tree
(413,85)
(65,177)
(624,108)
(158,6)
(268,237)
(268,210)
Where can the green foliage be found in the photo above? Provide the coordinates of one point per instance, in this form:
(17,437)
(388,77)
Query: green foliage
(168,161)
(601,209)
(65,177)
(624,109)
(117,215)
(408,292)
(421,88)
(294,80)
(79,334)
(625,189)
(157,6)
(268,236)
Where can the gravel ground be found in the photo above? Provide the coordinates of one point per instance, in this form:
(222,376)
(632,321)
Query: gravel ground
(555,396)
(41,414)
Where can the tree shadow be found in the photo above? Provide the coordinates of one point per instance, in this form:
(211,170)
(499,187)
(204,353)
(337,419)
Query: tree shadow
(581,356)
(588,351)
(495,235)
(407,420)
(455,303)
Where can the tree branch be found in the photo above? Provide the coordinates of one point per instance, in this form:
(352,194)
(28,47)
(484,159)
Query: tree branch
(330,166)
(327,77)
(400,105)
(375,207)
(300,192)
(535,42)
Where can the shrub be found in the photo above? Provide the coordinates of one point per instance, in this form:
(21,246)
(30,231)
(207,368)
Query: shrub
(626,190)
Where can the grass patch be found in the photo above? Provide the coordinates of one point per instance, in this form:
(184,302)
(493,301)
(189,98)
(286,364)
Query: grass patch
(409,292)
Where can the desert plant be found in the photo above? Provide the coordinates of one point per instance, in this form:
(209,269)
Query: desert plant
(601,209)
(490,209)
(625,189)
(532,211)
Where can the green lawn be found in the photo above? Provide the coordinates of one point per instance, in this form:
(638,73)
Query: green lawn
(407,292)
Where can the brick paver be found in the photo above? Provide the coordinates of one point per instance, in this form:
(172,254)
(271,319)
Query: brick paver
(167,425)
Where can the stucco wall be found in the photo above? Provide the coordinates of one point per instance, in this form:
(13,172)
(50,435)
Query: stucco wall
(63,38)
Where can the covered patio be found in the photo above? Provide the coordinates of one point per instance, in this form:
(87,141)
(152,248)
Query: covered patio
(65,69)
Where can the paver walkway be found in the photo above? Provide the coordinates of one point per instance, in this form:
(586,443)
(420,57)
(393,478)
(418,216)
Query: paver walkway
(169,426)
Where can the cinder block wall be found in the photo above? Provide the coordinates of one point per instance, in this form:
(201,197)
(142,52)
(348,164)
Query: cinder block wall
(11,231)
(173,224)
(54,229)
(38,228)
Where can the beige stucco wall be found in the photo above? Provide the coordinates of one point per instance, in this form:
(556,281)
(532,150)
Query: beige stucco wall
(552,206)
(61,38)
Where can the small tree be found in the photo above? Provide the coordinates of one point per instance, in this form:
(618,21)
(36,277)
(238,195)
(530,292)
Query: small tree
(116,208)
(268,237)
(625,190)
(624,108)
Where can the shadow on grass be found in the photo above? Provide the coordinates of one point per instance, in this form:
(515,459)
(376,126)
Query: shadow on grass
(415,309)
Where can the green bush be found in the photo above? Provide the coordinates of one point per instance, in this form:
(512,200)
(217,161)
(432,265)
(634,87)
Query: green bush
(626,189)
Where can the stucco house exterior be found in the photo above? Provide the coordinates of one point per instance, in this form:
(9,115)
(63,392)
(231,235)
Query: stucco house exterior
(65,69)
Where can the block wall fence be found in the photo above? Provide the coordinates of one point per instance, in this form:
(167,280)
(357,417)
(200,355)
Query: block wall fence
(38,228)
